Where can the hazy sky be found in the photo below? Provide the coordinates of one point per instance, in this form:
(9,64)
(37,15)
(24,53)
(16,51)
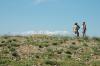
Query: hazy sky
(26,15)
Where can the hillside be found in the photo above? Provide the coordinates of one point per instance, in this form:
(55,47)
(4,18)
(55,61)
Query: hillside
(44,50)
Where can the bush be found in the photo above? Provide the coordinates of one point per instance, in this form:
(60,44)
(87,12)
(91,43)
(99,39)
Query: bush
(68,52)
(3,41)
(73,43)
(96,38)
(73,47)
(4,62)
(55,43)
(5,51)
(86,38)
(12,49)
(3,44)
(85,44)
(96,63)
(15,54)
(51,62)
(96,50)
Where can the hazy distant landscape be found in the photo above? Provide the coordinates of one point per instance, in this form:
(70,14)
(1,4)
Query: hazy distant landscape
(44,50)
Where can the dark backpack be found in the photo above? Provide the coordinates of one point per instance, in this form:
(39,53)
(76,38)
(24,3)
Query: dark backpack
(78,27)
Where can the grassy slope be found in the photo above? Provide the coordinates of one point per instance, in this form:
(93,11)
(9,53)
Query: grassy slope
(43,50)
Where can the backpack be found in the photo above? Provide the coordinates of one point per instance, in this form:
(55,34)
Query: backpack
(78,27)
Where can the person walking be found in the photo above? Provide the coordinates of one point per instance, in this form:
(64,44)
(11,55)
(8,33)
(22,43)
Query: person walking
(76,28)
(84,29)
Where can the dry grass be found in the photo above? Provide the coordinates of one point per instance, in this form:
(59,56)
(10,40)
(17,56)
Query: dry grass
(44,50)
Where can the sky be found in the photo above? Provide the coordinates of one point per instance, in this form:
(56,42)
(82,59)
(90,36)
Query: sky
(52,15)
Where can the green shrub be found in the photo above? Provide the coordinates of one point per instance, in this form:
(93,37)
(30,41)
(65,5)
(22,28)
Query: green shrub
(51,62)
(15,54)
(9,41)
(3,44)
(68,52)
(21,63)
(9,45)
(95,63)
(85,44)
(59,52)
(96,38)
(96,50)
(12,49)
(55,43)
(5,51)
(73,43)
(15,40)
(73,47)
(41,45)
(4,61)
(3,41)
(86,38)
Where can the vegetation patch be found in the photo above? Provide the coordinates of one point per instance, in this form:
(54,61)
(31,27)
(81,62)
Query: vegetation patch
(44,50)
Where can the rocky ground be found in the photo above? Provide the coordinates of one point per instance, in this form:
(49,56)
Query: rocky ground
(43,50)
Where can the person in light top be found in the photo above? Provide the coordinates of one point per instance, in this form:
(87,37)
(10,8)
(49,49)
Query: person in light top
(76,28)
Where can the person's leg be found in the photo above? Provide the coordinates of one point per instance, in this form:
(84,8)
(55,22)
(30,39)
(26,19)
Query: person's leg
(77,34)
(84,33)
